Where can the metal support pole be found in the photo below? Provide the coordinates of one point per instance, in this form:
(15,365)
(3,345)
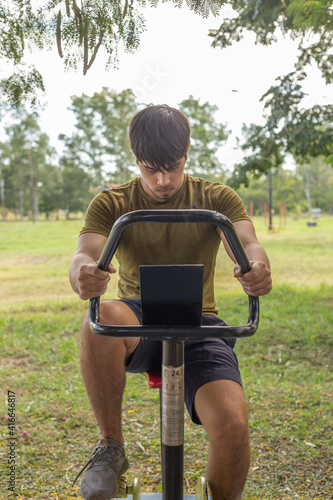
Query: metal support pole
(270,199)
(173,420)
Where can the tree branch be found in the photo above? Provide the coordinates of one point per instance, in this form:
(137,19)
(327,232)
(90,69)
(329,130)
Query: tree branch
(68,11)
(93,57)
(59,34)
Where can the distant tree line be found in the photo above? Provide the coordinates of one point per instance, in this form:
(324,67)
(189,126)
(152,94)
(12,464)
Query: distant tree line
(303,188)
(35,178)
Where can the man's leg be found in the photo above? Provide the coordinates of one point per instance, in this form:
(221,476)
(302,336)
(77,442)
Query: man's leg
(222,409)
(103,367)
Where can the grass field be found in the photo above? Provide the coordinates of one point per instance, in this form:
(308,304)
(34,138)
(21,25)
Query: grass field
(286,369)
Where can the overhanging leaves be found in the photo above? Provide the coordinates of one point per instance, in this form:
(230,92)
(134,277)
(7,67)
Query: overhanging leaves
(300,19)
(79,30)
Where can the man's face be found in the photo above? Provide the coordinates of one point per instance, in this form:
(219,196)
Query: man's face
(162,185)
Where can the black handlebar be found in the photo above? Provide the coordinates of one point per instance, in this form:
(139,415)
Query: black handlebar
(174,332)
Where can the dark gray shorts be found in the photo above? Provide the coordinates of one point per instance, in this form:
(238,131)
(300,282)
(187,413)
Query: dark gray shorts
(205,360)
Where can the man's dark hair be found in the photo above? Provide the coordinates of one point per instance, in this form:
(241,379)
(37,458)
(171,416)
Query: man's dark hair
(159,136)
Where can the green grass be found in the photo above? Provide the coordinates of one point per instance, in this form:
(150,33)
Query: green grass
(286,369)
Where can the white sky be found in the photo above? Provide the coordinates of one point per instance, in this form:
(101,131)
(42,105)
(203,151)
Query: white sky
(175,60)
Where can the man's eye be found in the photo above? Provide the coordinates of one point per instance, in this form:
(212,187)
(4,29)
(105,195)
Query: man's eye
(174,167)
(152,170)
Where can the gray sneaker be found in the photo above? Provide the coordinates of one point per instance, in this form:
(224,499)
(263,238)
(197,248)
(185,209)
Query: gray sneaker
(101,472)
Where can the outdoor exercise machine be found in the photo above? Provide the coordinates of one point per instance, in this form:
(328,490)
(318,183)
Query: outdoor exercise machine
(172,314)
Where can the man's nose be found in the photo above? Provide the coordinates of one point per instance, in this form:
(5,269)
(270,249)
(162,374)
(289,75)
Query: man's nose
(163,178)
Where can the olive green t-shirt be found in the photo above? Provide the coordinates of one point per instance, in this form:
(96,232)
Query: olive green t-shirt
(158,244)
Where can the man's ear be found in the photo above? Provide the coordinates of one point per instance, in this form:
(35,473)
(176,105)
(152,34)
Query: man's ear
(188,147)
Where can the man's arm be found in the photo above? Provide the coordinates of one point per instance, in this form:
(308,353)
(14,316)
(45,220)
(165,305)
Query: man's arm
(86,279)
(258,281)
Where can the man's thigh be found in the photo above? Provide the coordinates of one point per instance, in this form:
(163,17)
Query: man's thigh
(206,361)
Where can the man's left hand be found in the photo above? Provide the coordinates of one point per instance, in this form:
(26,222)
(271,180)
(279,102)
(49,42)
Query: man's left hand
(257,281)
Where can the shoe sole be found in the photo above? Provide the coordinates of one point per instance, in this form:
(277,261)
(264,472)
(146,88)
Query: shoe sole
(124,468)
(122,471)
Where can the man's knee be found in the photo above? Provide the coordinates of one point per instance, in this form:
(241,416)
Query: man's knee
(116,312)
(232,430)
(222,409)
(112,312)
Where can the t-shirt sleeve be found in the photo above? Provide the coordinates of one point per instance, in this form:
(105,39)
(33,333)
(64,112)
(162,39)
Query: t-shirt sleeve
(100,216)
(230,204)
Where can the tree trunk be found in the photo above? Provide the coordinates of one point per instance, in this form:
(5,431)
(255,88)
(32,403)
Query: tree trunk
(2,194)
(330,193)
(21,204)
(307,186)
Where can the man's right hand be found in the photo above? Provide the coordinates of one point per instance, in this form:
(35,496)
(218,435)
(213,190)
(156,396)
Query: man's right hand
(93,282)
(86,279)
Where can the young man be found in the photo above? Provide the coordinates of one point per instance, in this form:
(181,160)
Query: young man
(160,141)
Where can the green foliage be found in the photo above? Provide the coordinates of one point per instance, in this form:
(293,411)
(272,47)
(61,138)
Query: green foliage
(20,26)
(206,137)
(33,181)
(76,187)
(50,192)
(315,17)
(318,183)
(97,153)
(265,154)
(100,141)
(25,157)
(22,86)
(261,17)
(82,31)
(299,18)
(311,14)
(304,133)
(78,30)
(289,188)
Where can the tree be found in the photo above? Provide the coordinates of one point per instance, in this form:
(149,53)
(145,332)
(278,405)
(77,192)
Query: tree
(288,188)
(79,30)
(207,136)
(76,184)
(24,156)
(51,190)
(100,141)
(308,20)
(317,180)
(305,133)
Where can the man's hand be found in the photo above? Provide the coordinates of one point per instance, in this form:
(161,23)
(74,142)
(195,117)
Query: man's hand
(256,282)
(86,279)
(91,281)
